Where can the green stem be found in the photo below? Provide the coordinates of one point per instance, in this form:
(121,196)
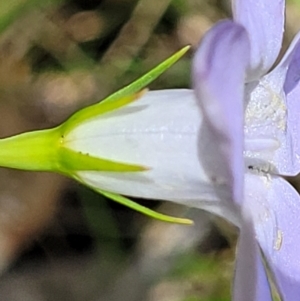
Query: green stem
(35,150)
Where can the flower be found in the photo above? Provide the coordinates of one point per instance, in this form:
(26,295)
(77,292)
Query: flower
(245,136)
(222,147)
(244,133)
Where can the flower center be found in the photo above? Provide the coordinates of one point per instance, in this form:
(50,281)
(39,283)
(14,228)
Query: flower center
(266,108)
(265,125)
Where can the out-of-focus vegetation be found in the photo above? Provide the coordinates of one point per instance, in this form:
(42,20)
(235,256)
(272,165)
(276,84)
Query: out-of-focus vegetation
(60,241)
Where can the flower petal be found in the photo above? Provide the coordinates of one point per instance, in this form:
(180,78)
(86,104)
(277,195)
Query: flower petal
(159,131)
(291,62)
(273,114)
(218,76)
(291,147)
(274,206)
(264,21)
(250,281)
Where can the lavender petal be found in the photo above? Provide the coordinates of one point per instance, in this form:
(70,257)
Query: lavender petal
(264,21)
(274,206)
(286,76)
(218,77)
(250,281)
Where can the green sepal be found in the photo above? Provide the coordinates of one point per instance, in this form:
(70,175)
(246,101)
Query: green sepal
(124,96)
(149,77)
(98,109)
(71,161)
(144,210)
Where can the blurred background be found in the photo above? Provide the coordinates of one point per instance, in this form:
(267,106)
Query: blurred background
(58,240)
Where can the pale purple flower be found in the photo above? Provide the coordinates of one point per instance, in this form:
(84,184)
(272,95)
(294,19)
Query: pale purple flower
(250,139)
(244,133)
(223,147)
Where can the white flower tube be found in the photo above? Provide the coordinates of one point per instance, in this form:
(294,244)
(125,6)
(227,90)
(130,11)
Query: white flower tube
(159,132)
